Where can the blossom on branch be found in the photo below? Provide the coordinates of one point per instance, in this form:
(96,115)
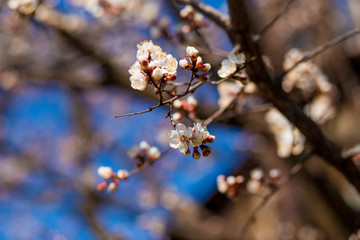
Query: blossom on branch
(194,62)
(152,66)
(230,65)
(183,137)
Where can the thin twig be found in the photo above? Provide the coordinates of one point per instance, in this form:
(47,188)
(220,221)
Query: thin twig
(284,180)
(136,113)
(272,23)
(313,53)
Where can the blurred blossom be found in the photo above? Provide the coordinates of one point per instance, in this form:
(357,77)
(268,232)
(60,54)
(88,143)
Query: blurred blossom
(289,139)
(23,6)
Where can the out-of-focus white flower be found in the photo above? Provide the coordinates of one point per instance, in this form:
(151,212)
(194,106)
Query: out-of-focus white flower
(231,185)
(289,139)
(230,65)
(105,172)
(186,11)
(227,68)
(144,152)
(179,138)
(320,109)
(153,153)
(23,6)
(257,174)
(178,116)
(238,58)
(227,91)
(306,76)
(221,184)
(122,174)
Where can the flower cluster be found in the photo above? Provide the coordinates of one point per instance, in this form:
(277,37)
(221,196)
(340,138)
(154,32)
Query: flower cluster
(23,6)
(194,62)
(232,65)
(185,107)
(289,139)
(152,66)
(314,86)
(195,19)
(232,186)
(111,178)
(182,138)
(144,153)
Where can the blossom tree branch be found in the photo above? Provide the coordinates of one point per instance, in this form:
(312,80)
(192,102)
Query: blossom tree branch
(313,53)
(240,33)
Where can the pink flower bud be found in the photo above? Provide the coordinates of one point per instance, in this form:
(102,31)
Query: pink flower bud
(100,187)
(205,67)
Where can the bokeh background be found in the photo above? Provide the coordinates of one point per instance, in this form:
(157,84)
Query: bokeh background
(63,78)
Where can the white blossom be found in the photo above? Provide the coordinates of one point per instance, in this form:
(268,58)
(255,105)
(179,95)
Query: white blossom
(105,172)
(122,174)
(23,6)
(230,65)
(154,153)
(179,138)
(227,68)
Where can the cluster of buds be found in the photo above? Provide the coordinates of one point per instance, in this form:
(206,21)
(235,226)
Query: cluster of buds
(196,20)
(185,107)
(111,178)
(194,62)
(289,140)
(232,186)
(152,66)
(23,6)
(182,138)
(144,153)
(312,84)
